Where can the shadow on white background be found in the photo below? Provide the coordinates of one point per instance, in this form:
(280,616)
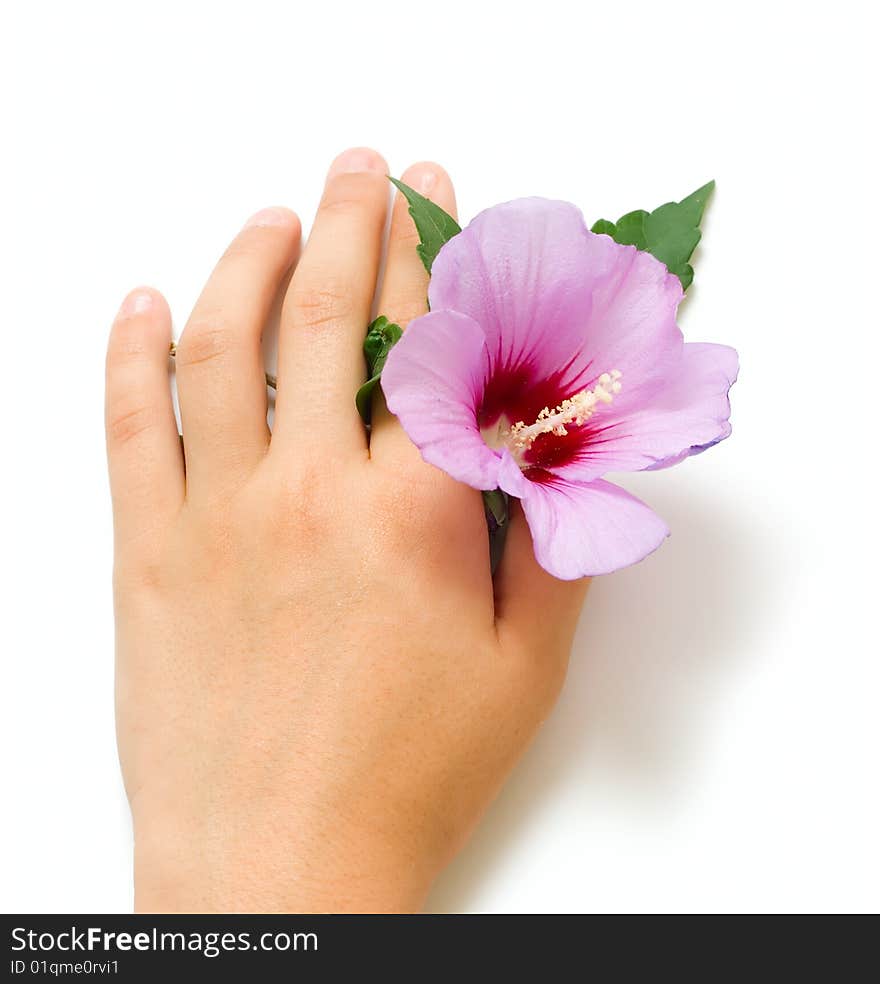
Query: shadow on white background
(653,649)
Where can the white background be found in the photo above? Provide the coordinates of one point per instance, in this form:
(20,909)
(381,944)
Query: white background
(716,745)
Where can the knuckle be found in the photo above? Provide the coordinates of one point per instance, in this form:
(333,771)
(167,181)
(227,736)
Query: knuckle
(127,422)
(317,307)
(353,194)
(409,308)
(304,509)
(406,235)
(140,568)
(426,517)
(245,246)
(126,348)
(416,503)
(206,339)
(216,543)
(257,243)
(219,534)
(140,573)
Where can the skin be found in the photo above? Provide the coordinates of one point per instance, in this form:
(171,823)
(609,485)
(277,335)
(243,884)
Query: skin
(319,687)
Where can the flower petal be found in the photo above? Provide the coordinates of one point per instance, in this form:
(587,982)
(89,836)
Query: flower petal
(632,323)
(559,305)
(522,271)
(433,382)
(688,415)
(585,529)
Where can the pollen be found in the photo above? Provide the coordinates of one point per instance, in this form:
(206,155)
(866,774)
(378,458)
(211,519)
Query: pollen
(573,412)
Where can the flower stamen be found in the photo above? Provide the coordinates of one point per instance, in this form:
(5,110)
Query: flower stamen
(574,411)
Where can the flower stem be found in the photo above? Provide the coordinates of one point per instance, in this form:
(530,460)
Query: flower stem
(496,504)
(271,380)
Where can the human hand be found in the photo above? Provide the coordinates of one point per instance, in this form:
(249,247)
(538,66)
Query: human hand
(319,686)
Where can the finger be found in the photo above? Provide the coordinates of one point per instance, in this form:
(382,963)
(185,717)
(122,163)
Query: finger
(143,446)
(404,294)
(220,373)
(327,309)
(533,610)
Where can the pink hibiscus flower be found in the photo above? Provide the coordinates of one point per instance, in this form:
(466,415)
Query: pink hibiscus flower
(551,356)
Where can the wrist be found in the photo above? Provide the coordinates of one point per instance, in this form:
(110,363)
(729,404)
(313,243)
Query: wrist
(301,870)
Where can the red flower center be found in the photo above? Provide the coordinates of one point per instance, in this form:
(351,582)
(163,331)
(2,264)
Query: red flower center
(540,427)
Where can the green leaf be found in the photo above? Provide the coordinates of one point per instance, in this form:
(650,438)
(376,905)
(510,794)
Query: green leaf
(631,229)
(671,232)
(604,226)
(382,336)
(435,227)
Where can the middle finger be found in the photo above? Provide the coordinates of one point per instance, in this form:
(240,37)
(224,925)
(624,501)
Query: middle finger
(327,309)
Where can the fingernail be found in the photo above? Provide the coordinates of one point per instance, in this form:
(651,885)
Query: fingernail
(358,159)
(269,217)
(427,181)
(137,302)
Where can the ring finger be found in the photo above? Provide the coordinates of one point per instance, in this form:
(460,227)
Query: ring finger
(404,294)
